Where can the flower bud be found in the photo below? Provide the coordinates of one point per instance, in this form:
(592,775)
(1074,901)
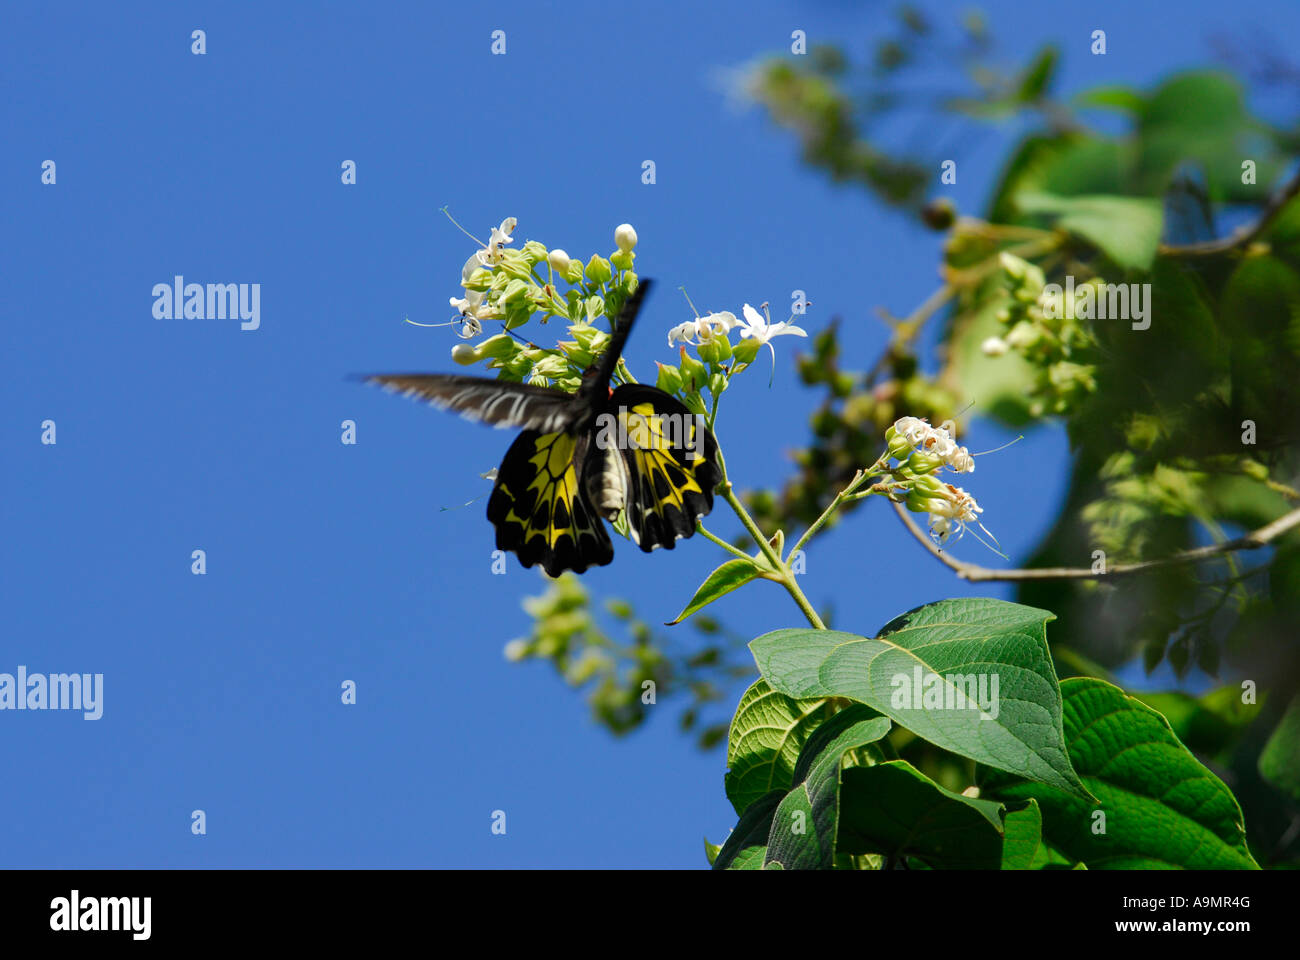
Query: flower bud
(534,252)
(465,354)
(559,260)
(694,373)
(498,347)
(746,350)
(994,347)
(625,237)
(717,349)
(598,270)
(669,379)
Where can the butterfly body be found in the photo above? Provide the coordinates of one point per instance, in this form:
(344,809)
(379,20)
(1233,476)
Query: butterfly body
(584,458)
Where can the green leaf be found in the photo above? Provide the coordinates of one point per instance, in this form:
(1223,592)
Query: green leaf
(711,851)
(1023,837)
(1126,229)
(894,809)
(767,733)
(1037,77)
(805,824)
(747,845)
(1279,763)
(1162,808)
(1112,98)
(1206,725)
(729,576)
(947,645)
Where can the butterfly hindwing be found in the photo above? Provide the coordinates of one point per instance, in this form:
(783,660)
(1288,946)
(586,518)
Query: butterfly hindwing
(540,506)
(671,461)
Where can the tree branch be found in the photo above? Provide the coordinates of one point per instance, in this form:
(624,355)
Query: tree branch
(1242,235)
(977,574)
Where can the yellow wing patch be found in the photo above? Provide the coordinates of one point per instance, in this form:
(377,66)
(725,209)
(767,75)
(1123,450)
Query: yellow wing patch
(540,509)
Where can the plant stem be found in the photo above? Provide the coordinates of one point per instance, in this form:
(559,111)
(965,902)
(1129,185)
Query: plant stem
(780,572)
(722,543)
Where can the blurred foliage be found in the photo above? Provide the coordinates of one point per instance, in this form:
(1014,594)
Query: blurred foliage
(1184,432)
(622,680)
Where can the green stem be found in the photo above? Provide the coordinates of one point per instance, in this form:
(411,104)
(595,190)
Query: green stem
(722,543)
(781,572)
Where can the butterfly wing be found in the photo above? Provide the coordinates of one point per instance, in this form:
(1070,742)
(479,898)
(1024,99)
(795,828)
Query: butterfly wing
(540,506)
(498,403)
(671,461)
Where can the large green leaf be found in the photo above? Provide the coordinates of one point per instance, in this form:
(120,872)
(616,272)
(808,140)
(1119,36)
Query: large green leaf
(944,646)
(729,576)
(1279,763)
(747,845)
(767,733)
(1126,229)
(806,822)
(1162,808)
(894,809)
(1023,837)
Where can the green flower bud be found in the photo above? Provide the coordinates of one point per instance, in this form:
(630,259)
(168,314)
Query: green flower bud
(515,291)
(669,379)
(622,259)
(923,463)
(479,279)
(550,367)
(899,448)
(694,373)
(533,252)
(598,270)
(499,347)
(746,350)
(573,272)
(515,265)
(715,350)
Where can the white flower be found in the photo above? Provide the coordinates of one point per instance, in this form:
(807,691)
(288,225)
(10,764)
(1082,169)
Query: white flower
(682,333)
(703,329)
(994,347)
(952,513)
(492,253)
(625,237)
(756,326)
(934,442)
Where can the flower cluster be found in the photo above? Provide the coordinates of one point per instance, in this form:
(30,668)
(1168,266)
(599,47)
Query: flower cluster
(1042,327)
(511,285)
(921,451)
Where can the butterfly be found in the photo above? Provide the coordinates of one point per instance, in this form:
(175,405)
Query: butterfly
(582,457)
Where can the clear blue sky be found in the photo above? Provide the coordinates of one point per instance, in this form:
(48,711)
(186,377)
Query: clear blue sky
(329,562)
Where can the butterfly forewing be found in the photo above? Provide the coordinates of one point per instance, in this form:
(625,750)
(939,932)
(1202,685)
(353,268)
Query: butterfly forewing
(498,403)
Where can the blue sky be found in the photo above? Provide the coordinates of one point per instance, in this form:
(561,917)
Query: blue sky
(329,562)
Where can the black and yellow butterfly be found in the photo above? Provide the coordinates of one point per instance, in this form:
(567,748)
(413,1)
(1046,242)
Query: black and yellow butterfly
(583,456)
